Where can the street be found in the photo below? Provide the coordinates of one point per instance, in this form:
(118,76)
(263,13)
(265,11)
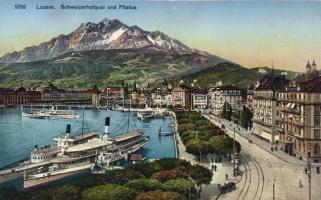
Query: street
(262,170)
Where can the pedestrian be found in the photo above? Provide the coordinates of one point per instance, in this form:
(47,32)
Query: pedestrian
(300,183)
(226,177)
(212,167)
(215,168)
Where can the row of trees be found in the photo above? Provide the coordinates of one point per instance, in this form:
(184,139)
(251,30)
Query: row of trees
(200,136)
(164,179)
(244,118)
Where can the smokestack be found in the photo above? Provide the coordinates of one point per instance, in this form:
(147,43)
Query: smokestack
(68,127)
(107,121)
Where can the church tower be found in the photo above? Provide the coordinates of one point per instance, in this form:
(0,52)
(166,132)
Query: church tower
(308,68)
(313,67)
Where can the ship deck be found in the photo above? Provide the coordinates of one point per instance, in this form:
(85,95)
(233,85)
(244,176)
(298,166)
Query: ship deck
(93,144)
(127,136)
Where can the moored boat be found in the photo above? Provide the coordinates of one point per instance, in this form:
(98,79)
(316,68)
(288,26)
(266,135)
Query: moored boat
(51,113)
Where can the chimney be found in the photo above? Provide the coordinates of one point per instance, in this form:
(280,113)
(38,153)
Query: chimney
(68,127)
(106,132)
(107,121)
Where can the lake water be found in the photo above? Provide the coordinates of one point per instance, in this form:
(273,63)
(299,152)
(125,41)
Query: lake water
(19,134)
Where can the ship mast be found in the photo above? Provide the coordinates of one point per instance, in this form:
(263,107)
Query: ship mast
(130,104)
(83,121)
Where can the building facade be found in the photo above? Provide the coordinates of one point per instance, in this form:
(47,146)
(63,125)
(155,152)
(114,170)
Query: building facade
(249,99)
(199,98)
(265,106)
(300,117)
(221,94)
(180,96)
(21,96)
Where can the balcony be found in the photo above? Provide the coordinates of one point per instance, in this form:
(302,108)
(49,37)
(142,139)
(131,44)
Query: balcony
(289,110)
(292,100)
(262,122)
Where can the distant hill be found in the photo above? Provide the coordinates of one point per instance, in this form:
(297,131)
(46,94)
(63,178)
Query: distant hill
(102,67)
(230,73)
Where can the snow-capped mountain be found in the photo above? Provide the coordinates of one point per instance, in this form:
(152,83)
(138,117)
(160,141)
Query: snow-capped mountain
(105,35)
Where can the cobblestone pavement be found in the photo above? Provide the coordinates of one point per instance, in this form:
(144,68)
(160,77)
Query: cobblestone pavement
(262,169)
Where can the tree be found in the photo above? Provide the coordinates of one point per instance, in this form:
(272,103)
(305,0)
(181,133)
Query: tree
(147,169)
(62,192)
(201,175)
(198,146)
(8,192)
(227,111)
(181,186)
(171,163)
(145,185)
(160,195)
(170,174)
(246,118)
(109,192)
(223,144)
(121,176)
(186,127)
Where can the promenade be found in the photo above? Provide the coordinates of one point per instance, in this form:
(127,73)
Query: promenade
(209,192)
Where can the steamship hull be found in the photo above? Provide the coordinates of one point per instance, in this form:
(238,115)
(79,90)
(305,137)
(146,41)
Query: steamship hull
(45,178)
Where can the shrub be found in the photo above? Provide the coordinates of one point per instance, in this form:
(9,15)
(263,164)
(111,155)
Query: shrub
(62,192)
(170,174)
(109,192)
(145,185)
(186,127)
(181,186)
(160,195)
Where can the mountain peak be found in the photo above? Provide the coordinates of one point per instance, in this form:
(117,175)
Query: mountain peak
(104,35)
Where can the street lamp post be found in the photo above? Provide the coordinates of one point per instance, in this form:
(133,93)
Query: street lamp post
(234,152)
(273,191)
(309,175)
(196,137)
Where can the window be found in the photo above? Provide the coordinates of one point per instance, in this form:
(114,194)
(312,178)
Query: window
(316,110)
(316,133)
(316,120)
(316,148)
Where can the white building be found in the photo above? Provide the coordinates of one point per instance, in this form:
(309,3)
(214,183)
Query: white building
(221,94)
(265,107)
(200,99)
(167,99)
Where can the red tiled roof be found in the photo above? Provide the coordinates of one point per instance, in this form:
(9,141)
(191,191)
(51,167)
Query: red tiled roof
(136,157)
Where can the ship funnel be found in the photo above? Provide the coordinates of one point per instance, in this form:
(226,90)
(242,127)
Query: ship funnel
(107,121)
(106,132)
(68,127)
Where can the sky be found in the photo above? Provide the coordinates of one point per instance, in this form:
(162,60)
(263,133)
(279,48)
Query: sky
(249,33)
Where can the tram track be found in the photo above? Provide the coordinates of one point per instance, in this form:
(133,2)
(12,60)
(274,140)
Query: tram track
(247,181)
(251,165)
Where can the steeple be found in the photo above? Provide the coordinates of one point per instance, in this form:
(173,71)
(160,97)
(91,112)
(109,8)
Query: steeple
(308,68)
(314,66)
(272,72)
